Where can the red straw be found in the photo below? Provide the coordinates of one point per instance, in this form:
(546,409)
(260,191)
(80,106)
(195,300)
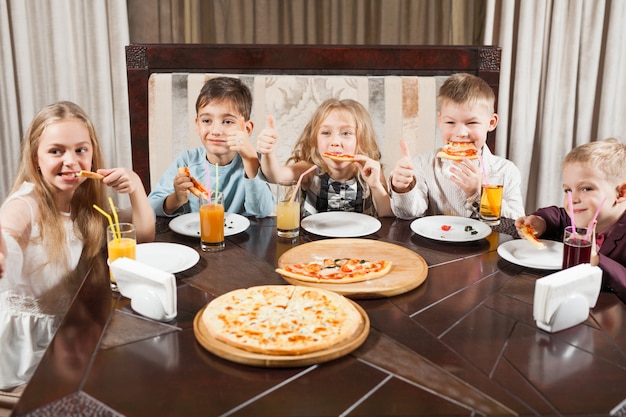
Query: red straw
(571,205)
(593,220)
(293,196)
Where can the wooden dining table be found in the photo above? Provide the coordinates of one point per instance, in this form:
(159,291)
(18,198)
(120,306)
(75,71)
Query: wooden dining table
(462,343)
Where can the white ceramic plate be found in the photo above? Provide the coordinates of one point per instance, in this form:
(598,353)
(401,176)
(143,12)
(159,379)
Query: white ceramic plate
(189,224)
(431,227)
(522,252)
(340,224)
(168,257)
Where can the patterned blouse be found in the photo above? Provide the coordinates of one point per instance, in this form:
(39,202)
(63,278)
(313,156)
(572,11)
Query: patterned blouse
(325,194)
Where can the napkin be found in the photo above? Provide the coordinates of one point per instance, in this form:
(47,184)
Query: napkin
(563,299)
(152,292)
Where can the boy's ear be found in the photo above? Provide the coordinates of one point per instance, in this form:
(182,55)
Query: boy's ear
(493,121)
(621,192)
(249,126)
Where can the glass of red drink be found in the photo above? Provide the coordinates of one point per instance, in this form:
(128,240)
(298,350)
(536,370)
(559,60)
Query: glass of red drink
(576,247)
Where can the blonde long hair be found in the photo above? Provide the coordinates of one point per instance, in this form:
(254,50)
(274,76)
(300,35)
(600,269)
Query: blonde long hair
(306,147)
(88,223)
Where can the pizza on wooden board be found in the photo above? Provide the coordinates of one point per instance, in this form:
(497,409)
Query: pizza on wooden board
(197,188)
(339,271)
(339,156)
(281,319)
(456,151)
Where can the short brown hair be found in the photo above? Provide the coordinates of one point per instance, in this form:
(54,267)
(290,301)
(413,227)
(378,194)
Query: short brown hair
(465,88)
(228,89)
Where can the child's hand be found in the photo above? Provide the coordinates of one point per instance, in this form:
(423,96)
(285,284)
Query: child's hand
(402,176)
(370,170)
(182,183)
(537,222)
(267,138)
(239,141)
(467,176)
(122,180)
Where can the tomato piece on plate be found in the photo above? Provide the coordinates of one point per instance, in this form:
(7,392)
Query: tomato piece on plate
(446,227)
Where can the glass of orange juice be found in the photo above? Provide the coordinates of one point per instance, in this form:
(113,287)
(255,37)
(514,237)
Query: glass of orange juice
(287,210)
(491,199)
(212,222)
(121,243)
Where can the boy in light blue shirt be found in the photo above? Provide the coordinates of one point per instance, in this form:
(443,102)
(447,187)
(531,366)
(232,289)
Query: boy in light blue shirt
(223,123)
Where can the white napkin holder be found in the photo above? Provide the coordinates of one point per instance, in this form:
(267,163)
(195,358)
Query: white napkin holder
(152,292)
(563,299)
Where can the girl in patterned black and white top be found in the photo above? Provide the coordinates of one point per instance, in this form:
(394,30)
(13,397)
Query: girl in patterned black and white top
(342,126)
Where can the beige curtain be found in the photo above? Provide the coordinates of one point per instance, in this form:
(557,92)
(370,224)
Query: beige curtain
(415,22)
(562,79)
(55,50)
(562,83)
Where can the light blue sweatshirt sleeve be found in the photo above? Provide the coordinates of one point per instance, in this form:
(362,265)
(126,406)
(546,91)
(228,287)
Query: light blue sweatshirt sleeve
(259,201)
(165,185)
(242,195)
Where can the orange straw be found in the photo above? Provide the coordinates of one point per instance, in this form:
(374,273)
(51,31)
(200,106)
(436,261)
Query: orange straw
(293,196)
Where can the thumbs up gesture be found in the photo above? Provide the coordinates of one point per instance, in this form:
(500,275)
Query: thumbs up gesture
(402,176)
(267,138)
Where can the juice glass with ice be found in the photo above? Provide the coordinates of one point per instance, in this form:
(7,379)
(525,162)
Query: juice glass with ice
(212,222)
(121,243)
(491,199)
(288,210)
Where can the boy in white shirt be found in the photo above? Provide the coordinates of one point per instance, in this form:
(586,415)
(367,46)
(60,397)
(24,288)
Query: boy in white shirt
(429,185)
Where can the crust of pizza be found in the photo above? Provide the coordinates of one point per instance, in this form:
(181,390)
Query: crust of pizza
(197,188)
(528,233)
(456,151)
(338,156)
(337,271)
(281,319)
(91,174)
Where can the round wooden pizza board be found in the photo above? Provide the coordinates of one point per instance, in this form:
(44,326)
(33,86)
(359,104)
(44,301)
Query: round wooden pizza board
(408,271)
(244,357)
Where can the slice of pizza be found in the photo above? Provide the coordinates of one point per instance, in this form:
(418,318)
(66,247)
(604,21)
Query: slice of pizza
(339,156)
(458,150)
(529,233)
(338,271)
(90,174)
(197,188)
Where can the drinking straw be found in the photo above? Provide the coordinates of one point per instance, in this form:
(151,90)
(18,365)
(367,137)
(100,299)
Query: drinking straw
(482,165)
(592,223)
(117,223)
(293,196)
(208,180)
(217,181)
(105,214)
(571,206)
(594,259)
(492,202)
